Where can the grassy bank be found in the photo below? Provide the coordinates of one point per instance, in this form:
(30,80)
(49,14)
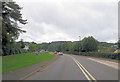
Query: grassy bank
(13,62)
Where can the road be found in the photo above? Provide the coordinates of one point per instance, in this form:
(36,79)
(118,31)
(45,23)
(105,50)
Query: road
(73,67)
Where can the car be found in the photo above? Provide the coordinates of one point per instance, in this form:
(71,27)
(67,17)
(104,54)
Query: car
(46,51)
(55,52)
(60,53)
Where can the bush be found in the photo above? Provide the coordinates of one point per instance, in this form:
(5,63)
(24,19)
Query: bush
(101,55)
(98,54)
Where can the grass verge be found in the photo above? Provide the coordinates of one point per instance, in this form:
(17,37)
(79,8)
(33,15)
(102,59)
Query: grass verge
(13,62)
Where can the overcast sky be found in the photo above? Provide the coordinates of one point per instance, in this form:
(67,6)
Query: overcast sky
(65,20)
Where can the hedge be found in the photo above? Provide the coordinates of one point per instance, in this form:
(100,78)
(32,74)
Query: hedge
(97,54)
(102,55)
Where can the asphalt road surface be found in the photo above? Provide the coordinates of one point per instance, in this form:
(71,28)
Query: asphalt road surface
(72,67)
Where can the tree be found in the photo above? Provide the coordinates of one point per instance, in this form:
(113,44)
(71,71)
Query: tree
(66,46)
(54,46)
(119,44)
(105,47)
(22,43)
(76,46)
(10,30)
(32,47)
(89,44)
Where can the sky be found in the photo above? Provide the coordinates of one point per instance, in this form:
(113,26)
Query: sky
(66,20)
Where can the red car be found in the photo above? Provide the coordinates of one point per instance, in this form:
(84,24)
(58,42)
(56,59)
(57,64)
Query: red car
(55,52)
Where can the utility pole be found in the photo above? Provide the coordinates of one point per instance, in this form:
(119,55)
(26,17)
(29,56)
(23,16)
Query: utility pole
(79,45)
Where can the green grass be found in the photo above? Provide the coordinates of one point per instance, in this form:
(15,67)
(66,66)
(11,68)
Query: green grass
(0,64)
(13,62)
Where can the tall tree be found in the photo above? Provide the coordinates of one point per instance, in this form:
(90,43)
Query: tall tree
(10,30)
(89,44)
(76,46)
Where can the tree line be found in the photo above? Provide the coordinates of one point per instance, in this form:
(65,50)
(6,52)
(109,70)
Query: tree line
(87,44)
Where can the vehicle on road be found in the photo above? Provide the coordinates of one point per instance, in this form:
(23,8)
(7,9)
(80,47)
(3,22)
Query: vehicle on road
(60,53)
(55,52)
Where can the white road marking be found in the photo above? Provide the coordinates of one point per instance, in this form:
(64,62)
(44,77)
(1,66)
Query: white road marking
(108,63)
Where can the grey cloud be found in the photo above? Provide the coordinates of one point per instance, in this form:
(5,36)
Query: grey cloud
(71,19)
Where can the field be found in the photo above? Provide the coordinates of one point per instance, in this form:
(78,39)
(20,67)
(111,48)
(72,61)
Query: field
(13,62)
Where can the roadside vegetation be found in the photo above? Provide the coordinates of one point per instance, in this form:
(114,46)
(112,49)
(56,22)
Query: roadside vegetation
(88,46)
(13,62)
(11,16)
